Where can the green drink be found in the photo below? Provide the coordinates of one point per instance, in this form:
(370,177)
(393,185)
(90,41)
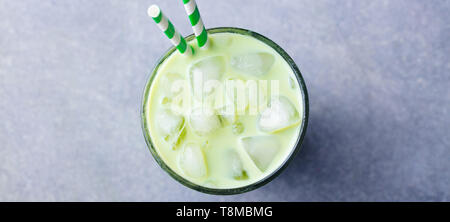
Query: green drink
(228,118)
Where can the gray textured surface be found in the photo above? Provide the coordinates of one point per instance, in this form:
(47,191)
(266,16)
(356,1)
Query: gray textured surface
(378,74)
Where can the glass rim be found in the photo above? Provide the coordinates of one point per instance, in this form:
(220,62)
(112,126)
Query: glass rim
(267,178)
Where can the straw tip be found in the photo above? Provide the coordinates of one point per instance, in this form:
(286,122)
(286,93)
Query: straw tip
(153,11)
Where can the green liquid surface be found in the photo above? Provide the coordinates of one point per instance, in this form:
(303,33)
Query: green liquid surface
(228,152)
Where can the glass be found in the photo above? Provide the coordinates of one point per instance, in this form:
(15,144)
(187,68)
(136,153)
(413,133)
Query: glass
(268,178)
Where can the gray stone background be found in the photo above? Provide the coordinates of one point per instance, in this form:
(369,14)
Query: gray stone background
(378,74)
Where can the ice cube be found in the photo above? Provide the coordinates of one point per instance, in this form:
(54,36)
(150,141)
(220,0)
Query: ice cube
(227,113)
(171,126)
(204,120)
(253,63)
(173,87)
(192,161)
(279,115)
(261,149)
(222,40)
(234,163)
(205,73)
(258,96)
(169,123)
(173,83)
(237,94)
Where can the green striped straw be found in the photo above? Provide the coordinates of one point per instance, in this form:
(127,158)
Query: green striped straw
(197,24)
(167,27)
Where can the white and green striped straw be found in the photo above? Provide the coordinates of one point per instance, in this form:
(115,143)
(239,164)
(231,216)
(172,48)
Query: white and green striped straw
(197,23)
(167,27)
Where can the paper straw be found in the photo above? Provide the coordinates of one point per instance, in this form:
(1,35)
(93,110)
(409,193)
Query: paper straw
(197,24)
(167,27)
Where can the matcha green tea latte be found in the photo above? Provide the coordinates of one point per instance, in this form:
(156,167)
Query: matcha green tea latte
(228,118)
(223,114)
